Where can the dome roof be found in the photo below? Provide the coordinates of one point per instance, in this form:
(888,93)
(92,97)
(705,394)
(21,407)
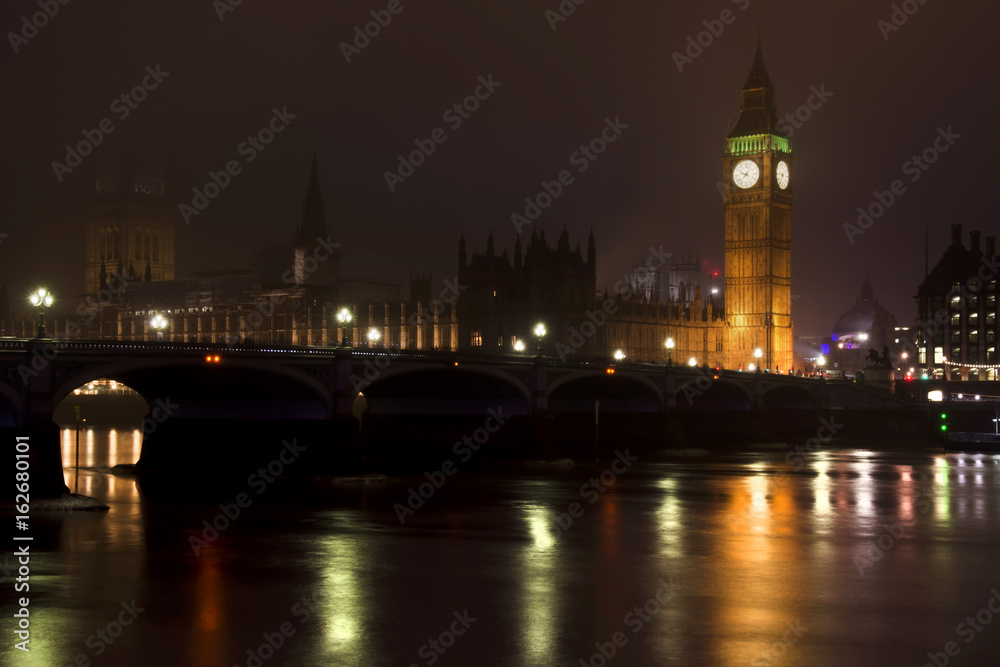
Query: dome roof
(866,314)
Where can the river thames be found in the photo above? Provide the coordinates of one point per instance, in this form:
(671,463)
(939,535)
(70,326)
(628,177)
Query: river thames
(716,559)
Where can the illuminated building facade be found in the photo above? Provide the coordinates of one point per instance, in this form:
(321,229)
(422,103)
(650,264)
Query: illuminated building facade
(957,311)
(758,187)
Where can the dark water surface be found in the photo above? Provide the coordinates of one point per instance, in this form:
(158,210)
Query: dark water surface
(859,558)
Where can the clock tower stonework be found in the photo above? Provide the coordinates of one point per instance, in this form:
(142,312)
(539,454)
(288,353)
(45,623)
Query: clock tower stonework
(758,178)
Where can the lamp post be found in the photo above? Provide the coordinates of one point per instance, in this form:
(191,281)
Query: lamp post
(670,351)
(158,323)
(373,336)
(768,325)
(758,353)
(821,362)
(343,319)
(519,346)
(692,362)
(619,355)
(41,299)
(540,332)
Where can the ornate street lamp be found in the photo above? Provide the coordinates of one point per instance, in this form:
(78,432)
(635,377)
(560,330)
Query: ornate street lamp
(373,336)
(41,299)
(519,346)
(343,319)
(670,350)
(758,353)
(540,332)
(619,355)
(692,362)
(158,324)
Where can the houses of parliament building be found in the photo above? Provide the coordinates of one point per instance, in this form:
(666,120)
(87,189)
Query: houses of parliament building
(293,294)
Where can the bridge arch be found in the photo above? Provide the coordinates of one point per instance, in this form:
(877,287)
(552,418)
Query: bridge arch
(435,381)
(789,397)
(720,394)
(264,389)
(618,392)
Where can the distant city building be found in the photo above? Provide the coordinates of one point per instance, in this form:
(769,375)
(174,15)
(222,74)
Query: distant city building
(504,296)
(129,229)
(291,294)
(674,283)
(957,311)
(863,327)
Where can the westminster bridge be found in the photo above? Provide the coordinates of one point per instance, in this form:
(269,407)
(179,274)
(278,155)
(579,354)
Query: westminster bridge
(218,407)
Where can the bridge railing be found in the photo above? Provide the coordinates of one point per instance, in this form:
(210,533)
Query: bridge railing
(129,348)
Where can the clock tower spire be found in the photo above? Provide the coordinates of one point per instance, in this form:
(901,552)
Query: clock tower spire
(757,164)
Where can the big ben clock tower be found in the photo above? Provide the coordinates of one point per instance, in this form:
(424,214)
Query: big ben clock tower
(759,181)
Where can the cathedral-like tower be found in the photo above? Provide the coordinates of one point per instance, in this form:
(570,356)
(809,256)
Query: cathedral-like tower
(129,230)
(758,200)
(313,233)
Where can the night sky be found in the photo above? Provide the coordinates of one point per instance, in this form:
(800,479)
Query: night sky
(655,185)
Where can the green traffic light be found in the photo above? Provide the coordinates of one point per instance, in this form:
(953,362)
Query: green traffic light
(944,416)
(944,427)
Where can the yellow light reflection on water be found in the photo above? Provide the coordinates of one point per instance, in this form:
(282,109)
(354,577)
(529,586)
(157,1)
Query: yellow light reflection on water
(343,597)
(821,493)
(91,455)
(209,612)
(864,485)
(100,449)
(538,590)
(907,494)
(942,492)
(112,447)
(671,520)
(752,563)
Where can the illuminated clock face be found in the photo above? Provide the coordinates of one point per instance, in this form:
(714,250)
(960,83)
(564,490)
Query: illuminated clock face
(782,174)
(746,174)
